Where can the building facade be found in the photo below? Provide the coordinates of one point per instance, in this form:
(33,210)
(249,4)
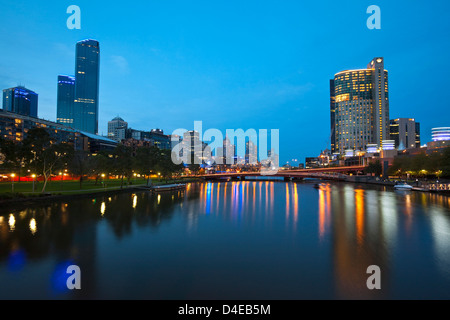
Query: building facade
(20,100)
(440,139)
(406,133)
(87,72)
(14,127)
(117,129)
(78,102)
(359,105)
(65,100)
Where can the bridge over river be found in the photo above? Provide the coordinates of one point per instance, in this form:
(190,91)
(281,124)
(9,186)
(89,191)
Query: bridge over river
(331,173)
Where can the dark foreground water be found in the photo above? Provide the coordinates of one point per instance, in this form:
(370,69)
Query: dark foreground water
(235,240)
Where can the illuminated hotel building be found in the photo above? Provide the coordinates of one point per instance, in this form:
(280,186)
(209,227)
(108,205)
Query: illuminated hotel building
(359,105)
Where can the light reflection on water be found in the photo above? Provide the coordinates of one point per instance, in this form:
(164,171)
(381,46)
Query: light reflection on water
(232,240)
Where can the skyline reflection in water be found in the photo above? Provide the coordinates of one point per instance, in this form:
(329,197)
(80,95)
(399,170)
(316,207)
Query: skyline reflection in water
(231,240)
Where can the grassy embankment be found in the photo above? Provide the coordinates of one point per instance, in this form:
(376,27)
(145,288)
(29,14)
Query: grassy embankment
(25,189)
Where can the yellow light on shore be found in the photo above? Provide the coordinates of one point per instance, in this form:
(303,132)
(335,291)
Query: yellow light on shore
(33,176)
(103,175)
(13,175)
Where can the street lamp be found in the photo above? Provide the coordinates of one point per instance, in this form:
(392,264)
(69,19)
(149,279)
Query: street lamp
(12,182)
(33,176)
(103,180)
(61,179)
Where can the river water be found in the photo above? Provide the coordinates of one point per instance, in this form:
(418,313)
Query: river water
(231,240)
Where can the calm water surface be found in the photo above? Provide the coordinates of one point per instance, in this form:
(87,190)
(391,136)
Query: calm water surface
(231,240)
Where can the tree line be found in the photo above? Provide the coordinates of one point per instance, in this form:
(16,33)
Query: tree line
(436,164)
(40,154)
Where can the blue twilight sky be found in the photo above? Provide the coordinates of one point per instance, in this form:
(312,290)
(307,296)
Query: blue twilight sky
(233,64)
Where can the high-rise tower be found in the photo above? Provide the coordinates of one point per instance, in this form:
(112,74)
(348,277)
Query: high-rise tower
(78,96)
(87,72)
(359,105)
(65,100)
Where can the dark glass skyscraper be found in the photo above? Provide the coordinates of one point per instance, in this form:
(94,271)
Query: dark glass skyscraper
(20,100)
(87,72)
(78,97)
(66,97)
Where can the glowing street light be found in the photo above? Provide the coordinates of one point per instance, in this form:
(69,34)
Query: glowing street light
(12,182)
(34,177)
(103,180)
(61,179)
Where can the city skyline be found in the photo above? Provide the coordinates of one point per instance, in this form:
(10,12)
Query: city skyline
(232,75)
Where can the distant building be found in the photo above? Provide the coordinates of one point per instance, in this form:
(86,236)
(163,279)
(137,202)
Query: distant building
(406,133)
(20,100)
(159,139)
(155,137)
(251,153)
(94,143)
(441,139)
(359,105)
(117,129)
(312,162)
(14,127)
(65,100)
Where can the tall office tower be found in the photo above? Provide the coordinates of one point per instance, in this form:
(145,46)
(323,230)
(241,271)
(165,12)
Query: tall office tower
(229,152)
(251,153)
(115,127)
(192,145)
(87,71)
(65,100)
(361,107)
(406,133)
(20,100)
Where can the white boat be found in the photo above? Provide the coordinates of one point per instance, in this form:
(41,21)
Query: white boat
(403,186)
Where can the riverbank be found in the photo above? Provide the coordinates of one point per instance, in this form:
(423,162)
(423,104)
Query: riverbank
(371,181)
(29,198)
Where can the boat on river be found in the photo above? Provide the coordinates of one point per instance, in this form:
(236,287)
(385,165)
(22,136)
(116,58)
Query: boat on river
(169,187)
(403,186)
